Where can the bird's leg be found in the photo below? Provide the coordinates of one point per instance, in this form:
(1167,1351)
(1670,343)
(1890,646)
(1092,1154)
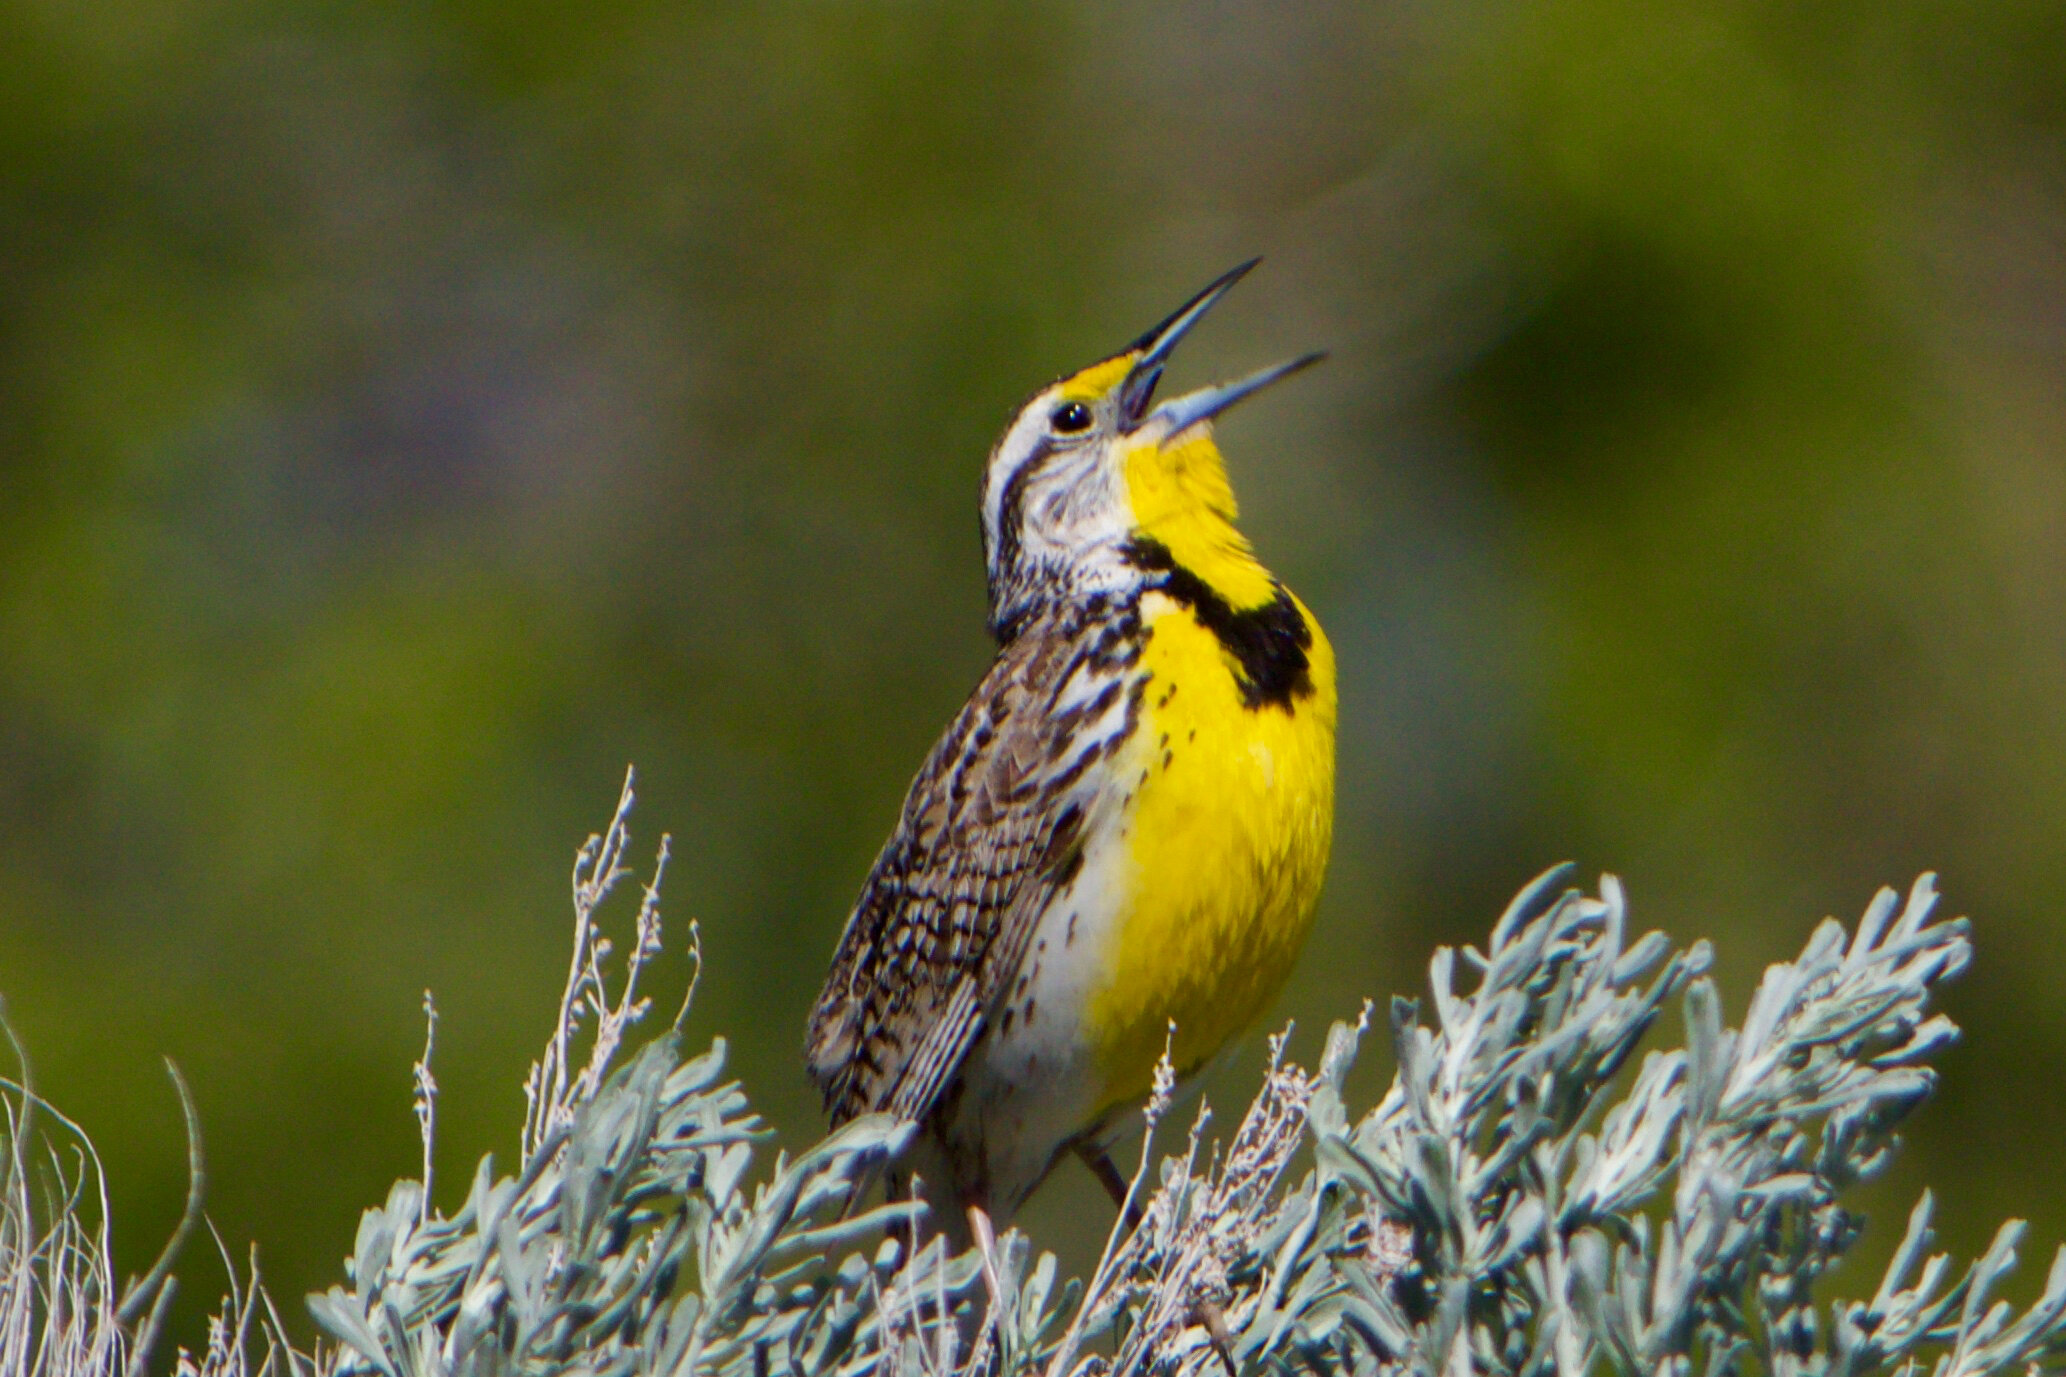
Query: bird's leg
(1208,1311)
(1100,1164)
(1215,1322)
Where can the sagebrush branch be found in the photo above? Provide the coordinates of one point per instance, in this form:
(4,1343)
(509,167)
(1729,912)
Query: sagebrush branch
(1508,1206)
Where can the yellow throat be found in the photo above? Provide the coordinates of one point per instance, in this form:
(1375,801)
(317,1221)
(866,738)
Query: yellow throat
(1233,815)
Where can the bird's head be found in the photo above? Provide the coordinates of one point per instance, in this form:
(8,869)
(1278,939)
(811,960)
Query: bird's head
(1091,464)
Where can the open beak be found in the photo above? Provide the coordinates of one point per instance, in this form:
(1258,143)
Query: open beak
(1207,402)
(1154,348)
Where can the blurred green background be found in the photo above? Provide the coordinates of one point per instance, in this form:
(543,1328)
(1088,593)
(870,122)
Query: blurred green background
(411,413)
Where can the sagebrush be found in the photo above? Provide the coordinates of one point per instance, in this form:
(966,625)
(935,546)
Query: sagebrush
(1522,1200)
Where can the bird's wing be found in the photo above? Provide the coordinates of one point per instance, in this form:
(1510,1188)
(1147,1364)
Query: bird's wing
(991,829)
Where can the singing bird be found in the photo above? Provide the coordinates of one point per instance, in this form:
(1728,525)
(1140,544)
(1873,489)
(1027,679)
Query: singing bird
(1126,827)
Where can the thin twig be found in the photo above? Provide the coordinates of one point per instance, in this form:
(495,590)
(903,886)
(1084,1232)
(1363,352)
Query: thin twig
(197,1181)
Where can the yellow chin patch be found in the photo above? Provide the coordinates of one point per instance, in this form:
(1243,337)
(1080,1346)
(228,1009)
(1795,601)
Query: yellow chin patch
(1181,497)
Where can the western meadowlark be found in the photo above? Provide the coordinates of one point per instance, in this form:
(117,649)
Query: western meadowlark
(1124,829)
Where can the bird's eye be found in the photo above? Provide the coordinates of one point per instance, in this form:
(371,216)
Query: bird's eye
(1069,418)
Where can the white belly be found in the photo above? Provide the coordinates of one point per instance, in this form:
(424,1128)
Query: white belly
(1032,1081)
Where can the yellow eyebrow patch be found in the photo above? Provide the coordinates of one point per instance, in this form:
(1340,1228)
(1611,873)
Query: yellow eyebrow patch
(1097,380)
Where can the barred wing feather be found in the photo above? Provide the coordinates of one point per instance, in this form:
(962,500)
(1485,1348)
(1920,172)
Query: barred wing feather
(990,831)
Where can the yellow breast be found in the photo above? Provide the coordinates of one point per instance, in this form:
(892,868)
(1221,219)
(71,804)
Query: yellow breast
(1227,837)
